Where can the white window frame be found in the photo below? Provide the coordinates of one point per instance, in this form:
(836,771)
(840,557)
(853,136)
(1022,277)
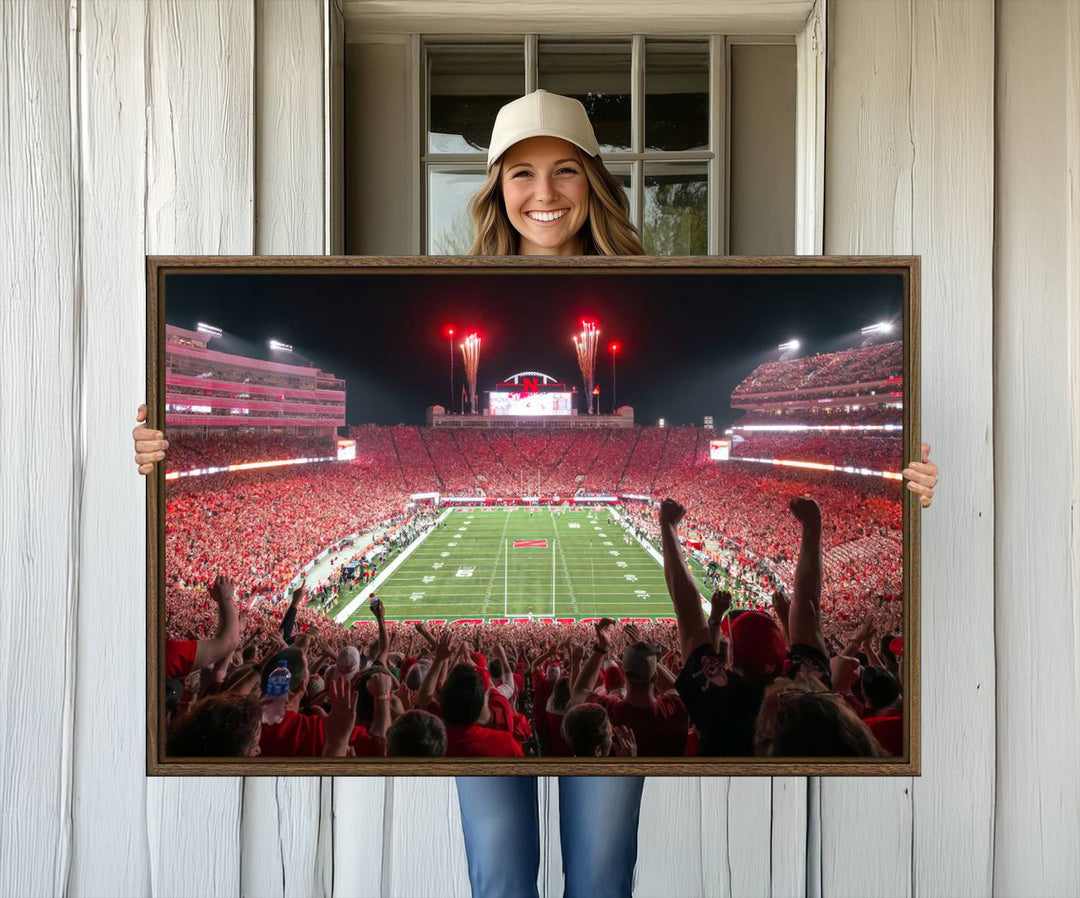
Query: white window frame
(809,42)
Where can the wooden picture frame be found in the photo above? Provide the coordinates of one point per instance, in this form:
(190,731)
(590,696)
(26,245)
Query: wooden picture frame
(161,272)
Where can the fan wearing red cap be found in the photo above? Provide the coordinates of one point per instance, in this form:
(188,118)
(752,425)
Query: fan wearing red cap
(722,699)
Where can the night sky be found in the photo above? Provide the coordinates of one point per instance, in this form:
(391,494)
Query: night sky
(685,340)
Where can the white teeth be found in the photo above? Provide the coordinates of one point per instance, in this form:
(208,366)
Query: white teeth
(546,216)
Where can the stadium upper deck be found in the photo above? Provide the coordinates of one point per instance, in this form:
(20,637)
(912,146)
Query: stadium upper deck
(218,391)
(873,375)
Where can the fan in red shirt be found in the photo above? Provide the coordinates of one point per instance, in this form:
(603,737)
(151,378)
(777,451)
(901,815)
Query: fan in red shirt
(182,656)
(299,735)
(883,708)
(658,719)
(463,701)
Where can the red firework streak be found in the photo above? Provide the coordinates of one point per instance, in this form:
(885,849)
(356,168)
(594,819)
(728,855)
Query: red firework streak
(530,544)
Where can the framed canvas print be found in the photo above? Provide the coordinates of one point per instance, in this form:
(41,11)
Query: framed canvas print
(479,516)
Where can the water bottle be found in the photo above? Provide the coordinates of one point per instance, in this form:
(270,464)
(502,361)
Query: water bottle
(277,694)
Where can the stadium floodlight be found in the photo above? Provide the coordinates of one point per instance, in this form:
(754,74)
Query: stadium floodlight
(882,327)
(790,346)
(280,347)
(204,328)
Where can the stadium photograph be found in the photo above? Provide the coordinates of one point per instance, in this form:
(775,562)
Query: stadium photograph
(423,514)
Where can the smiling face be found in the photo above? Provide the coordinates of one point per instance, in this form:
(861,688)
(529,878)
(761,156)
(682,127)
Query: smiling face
(546,195)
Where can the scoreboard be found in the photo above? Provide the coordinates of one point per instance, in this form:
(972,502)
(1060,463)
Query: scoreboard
(719,450)
(530,394)
(520,403)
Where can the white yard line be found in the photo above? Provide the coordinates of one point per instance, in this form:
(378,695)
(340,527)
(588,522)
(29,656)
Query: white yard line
(656,556)
(362,596)
(495,567)
(566,570)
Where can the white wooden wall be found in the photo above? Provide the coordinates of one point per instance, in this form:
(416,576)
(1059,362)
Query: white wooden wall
(200,127)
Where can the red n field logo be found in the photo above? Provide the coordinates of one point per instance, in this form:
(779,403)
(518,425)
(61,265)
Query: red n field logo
(530,544)
(530,385)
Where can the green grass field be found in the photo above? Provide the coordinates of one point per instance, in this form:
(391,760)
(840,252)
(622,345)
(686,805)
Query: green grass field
(470,568)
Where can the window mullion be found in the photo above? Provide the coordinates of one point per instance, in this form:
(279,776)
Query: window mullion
(717,185)
(637,129)
(532,58)
(422,233)
(725,143)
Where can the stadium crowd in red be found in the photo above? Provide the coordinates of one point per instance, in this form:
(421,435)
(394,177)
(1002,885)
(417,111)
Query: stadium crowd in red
(835,369)
(262,528)
(723,686)
(876,452)
(219,451)
(784,631)
(826,414)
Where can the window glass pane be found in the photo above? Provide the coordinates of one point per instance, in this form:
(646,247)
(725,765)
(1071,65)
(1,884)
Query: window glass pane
(676,95)
(676,209)
(624,176)
(597,74)
(467,84)
(450,230)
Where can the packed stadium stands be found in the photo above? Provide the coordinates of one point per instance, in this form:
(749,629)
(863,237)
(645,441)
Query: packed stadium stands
(261,527)
(872,364)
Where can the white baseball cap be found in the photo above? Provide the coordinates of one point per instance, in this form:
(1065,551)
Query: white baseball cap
(541,114)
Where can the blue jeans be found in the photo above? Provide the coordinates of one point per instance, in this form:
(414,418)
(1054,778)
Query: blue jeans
(598,822)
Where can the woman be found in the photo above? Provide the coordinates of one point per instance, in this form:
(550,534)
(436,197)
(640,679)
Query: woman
(547,193)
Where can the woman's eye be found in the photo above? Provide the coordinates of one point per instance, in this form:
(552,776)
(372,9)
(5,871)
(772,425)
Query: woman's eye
(519,174)
(567,171)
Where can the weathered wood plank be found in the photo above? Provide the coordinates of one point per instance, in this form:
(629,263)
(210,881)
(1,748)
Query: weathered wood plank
(423,847)
(283,853)
(41,447)
(909,160)
(1037,447)
(199,198)
(790,799)
(953,229)
(868,197)
(360,817)
(110,745)
(289,127)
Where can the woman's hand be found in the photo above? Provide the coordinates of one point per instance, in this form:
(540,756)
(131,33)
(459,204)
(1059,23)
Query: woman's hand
(922,477)
(150,445)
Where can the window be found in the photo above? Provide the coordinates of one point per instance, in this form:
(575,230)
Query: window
(656,106)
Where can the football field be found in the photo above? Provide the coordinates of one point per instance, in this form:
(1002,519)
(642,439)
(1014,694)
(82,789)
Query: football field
(483,563)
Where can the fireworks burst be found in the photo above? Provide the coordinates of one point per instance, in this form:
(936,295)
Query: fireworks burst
(586,344)
(470,353)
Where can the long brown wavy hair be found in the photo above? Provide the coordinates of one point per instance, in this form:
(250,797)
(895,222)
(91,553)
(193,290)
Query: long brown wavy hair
(607,230)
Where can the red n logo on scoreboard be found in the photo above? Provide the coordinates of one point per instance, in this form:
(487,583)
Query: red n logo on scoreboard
(530,384)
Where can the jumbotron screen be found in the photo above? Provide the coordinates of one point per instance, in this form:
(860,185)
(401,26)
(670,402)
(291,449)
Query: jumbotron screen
(523,404)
